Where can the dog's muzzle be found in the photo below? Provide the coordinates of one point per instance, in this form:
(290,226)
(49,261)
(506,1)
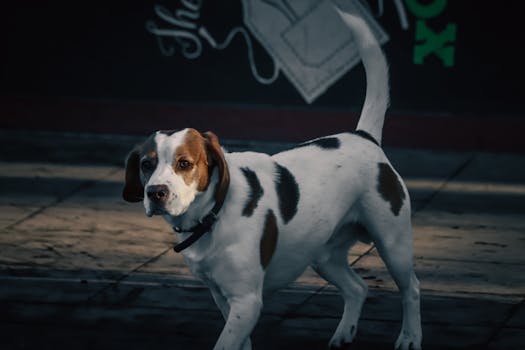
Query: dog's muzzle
(158,196)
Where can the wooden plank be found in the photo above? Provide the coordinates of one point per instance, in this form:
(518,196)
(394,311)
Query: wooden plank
(463,243)
(448,276)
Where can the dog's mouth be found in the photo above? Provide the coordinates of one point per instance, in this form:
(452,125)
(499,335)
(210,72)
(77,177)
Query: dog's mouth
(156,210)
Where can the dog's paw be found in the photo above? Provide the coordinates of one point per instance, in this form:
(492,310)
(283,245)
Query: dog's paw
(342,338)
(407,341)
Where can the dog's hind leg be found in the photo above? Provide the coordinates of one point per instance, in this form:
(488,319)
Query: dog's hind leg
(396,252)
(391,230)
(333,266)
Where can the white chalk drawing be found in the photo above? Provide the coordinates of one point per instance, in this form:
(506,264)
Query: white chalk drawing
(181,29)
(306,39)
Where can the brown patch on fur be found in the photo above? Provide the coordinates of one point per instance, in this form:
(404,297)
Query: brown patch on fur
(390,188)
(193,150)
(268,239)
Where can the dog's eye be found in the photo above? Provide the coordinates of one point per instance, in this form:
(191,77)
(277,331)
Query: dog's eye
(183,164)
(146,165)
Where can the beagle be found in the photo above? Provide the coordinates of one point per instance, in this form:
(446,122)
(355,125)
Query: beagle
(249,223)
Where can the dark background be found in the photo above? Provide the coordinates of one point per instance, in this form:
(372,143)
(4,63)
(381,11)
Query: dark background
(93,66)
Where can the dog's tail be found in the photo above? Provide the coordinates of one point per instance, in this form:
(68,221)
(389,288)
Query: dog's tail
(376,69)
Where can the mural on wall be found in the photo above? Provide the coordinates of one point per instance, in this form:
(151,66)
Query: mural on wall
(307,40)
(222,52)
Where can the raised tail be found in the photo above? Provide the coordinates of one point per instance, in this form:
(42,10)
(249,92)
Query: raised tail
(376,69)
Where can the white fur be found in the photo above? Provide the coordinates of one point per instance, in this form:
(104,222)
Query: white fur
(377,95)
(337,187)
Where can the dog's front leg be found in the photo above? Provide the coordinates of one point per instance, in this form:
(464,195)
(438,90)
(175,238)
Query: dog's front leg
(242,317)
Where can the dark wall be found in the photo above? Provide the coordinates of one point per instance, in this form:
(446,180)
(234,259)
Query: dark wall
(103,50)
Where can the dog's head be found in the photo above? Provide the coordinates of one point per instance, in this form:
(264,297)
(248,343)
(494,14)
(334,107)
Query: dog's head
(170,168)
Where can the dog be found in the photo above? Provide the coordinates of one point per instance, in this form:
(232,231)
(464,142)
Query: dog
(250,223)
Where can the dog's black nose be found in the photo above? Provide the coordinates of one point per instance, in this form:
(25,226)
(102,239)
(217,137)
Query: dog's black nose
(158,193)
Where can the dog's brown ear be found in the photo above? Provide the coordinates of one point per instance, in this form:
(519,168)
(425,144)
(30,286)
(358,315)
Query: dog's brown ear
(133,190)
(214,150)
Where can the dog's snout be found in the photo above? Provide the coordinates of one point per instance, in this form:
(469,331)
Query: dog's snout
(158,193)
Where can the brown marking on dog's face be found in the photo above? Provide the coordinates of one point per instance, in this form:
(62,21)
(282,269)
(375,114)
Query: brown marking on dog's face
(190,160)
(390,188)
(268,239)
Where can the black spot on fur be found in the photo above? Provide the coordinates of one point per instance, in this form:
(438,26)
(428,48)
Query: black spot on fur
(256,191)
(390,188)
(268,239)
(324,143)
(287,191)
(366,135)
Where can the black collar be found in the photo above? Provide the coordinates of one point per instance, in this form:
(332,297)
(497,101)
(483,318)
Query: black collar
(197,231)
(205,224)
